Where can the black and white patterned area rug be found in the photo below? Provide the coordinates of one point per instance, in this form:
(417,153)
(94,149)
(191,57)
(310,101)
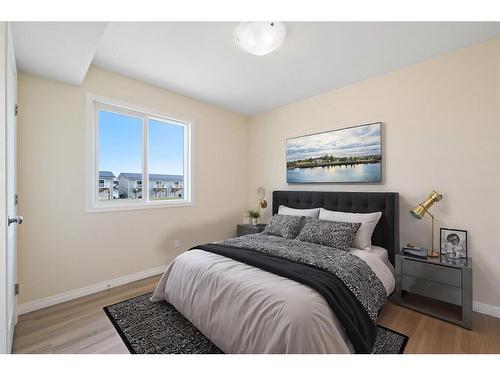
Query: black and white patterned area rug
(158,328)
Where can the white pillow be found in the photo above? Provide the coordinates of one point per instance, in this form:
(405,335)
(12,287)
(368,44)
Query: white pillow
(363,238)
(310,212)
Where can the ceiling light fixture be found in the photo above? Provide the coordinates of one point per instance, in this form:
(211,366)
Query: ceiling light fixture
(260,38)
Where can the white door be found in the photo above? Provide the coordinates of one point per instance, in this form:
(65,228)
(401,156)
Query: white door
(13,219)
(10,261)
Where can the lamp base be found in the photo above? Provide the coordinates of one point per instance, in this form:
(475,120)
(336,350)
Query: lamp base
(432,253)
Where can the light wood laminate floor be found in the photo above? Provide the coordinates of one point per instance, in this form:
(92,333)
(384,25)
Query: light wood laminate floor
(80,326)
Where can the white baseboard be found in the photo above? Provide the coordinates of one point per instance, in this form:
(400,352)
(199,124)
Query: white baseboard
(85,291)
(486,309)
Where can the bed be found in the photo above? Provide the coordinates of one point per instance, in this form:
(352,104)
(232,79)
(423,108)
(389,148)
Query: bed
(247,305)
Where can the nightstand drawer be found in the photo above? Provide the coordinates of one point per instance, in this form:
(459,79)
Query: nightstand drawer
(245,231)
(439,274)
(432,289)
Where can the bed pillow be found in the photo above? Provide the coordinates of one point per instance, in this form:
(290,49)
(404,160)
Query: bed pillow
(363,238)
(336,234)
(286,226)
(309,212)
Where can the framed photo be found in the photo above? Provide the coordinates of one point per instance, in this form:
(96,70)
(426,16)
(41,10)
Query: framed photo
(349,155)
(453,243)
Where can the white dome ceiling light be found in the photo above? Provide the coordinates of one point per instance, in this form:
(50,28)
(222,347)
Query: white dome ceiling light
(260,38)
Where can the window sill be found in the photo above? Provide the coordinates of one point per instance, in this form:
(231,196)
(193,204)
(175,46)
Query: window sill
(119,206)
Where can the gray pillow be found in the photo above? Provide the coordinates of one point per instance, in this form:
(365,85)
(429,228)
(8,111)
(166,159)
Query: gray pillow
(286,226)
(336,234)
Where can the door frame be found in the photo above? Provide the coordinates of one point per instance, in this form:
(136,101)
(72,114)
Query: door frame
(11,162)
(8,316)
(3,191)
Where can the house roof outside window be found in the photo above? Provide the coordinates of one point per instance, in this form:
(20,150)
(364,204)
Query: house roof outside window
(106,174)
(156,177)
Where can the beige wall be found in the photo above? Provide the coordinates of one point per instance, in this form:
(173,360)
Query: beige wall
(61,247)
(442,131)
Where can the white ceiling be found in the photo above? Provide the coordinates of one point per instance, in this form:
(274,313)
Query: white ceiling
(200,59)
(57,50)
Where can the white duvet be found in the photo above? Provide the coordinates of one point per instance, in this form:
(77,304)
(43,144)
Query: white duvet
(243,309)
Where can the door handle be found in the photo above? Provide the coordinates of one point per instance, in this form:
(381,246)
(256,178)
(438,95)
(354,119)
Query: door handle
(15,220)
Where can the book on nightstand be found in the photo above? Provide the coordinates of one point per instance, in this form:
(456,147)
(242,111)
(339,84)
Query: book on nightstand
(415,251)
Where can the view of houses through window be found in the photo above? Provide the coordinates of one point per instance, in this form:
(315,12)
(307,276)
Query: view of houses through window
(120,158)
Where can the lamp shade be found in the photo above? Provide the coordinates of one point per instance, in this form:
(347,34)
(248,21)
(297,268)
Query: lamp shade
(262,203)
(419,211)
(261,192)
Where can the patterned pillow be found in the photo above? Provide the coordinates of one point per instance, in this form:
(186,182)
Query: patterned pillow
(336,234)
(286,226)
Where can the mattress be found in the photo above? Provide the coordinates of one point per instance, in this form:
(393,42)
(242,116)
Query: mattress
(376,251)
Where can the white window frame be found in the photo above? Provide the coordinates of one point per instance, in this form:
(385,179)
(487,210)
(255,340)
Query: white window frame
(93,204)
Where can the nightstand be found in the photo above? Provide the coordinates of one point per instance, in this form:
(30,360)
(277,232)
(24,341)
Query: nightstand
(436,286)
(244,229)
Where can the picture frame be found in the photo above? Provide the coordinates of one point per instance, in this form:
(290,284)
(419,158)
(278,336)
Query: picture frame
(347,155)
(453,243)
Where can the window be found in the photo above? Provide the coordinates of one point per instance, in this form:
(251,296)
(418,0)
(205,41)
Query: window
(120,150)
(166,157)
(141,159)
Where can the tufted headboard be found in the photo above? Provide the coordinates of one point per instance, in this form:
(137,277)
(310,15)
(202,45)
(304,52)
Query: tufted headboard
(386,233)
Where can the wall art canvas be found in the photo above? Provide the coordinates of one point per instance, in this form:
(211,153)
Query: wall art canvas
(350,155)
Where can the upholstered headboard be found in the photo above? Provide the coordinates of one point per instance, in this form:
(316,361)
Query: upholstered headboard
(386,233)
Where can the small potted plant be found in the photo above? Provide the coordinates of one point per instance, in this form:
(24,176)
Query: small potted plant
(255,216)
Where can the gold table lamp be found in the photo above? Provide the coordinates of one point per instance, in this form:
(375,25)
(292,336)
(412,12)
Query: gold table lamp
(423,208)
